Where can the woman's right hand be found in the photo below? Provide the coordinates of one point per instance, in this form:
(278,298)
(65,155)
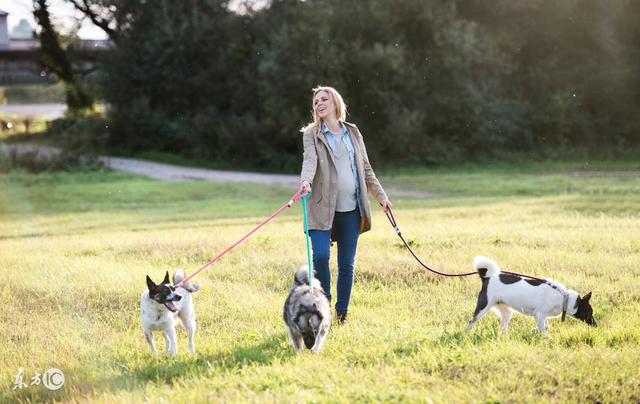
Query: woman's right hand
(305,188)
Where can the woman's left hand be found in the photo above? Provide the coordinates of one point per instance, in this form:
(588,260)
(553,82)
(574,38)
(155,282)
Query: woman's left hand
(386,205)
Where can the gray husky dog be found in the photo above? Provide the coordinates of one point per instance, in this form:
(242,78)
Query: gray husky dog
(306,314)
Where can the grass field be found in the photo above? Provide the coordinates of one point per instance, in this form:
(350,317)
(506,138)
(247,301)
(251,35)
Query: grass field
(75,248)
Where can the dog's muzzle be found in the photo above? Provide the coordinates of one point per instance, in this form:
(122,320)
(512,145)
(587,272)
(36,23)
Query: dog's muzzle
(169,302)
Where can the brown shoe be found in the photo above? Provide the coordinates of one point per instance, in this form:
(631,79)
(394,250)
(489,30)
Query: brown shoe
(342,317)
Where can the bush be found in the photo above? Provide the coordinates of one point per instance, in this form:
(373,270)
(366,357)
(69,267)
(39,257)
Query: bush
(82,135)
(79,139)
(15,157)
(427,82)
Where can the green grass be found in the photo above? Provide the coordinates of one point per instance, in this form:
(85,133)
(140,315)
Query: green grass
(75,247)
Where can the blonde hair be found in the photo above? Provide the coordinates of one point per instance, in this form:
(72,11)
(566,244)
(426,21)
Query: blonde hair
(341,107)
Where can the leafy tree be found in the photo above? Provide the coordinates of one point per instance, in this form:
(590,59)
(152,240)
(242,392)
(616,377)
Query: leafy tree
(427,82)
(54,57)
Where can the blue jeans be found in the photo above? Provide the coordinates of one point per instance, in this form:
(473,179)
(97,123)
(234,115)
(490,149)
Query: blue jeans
(347,230)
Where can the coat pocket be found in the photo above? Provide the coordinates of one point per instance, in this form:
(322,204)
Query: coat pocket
(316,196)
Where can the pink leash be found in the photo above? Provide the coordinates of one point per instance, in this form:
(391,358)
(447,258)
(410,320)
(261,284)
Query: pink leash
(296,197)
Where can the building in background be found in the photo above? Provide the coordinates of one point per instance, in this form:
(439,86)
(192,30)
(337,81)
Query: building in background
(4,30)
(23,30)
(19,63)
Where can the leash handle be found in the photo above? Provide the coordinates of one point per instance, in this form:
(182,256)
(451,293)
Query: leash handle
(306,233)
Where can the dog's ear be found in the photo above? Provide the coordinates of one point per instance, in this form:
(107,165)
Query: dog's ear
(587,297)
(166,277)
(150,283)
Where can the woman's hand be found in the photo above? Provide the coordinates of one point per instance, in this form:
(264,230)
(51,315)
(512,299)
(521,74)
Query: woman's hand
(305,188)
(386,205)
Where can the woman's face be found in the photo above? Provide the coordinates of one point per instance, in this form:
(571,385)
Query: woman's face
(323,105)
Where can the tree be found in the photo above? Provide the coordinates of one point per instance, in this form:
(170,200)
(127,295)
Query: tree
(427,82)
(54,57)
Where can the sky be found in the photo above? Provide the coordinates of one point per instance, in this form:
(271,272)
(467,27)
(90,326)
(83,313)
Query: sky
(62,12)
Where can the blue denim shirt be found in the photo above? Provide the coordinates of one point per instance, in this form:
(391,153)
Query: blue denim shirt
(346,139)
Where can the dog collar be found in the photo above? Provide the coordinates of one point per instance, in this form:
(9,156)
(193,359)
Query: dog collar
(565,297)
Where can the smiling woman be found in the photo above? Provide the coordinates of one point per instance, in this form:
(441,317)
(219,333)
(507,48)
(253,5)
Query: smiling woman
(336,168)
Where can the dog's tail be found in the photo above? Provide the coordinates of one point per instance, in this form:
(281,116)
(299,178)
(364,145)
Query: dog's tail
(302,277)
(178,276)
(486,267)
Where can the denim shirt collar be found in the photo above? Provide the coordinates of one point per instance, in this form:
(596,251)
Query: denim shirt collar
(326,131)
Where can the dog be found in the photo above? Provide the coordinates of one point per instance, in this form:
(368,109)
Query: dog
(160,308)
(307,314)
(503,292)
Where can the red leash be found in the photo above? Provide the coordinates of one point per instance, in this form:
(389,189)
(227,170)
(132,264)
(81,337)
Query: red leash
(296,197)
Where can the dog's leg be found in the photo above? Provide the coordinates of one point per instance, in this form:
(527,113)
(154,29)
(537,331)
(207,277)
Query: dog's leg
(541,322)
(296,341)
(505,314)
(167,342)
(149,337)
(478,315)
(323,330)
(171,344)
(191,330)
(188,319)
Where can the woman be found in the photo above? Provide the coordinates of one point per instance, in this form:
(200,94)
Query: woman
(336,170)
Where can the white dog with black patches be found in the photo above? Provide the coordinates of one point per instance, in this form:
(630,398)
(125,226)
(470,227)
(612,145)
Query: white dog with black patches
(503,292)
(162,307)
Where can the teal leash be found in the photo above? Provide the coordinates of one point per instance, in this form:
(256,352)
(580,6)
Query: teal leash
(306,233)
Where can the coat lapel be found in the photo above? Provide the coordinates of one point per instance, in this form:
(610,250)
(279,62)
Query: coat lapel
(323,139)
(358,152)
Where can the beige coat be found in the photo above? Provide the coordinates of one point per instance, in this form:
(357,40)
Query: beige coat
(318,167)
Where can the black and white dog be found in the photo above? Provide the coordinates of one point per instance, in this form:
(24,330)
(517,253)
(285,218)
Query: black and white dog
(503,292)
(306,313)
(160,308)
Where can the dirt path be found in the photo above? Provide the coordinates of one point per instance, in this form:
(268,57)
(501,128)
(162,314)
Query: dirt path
(170,172)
